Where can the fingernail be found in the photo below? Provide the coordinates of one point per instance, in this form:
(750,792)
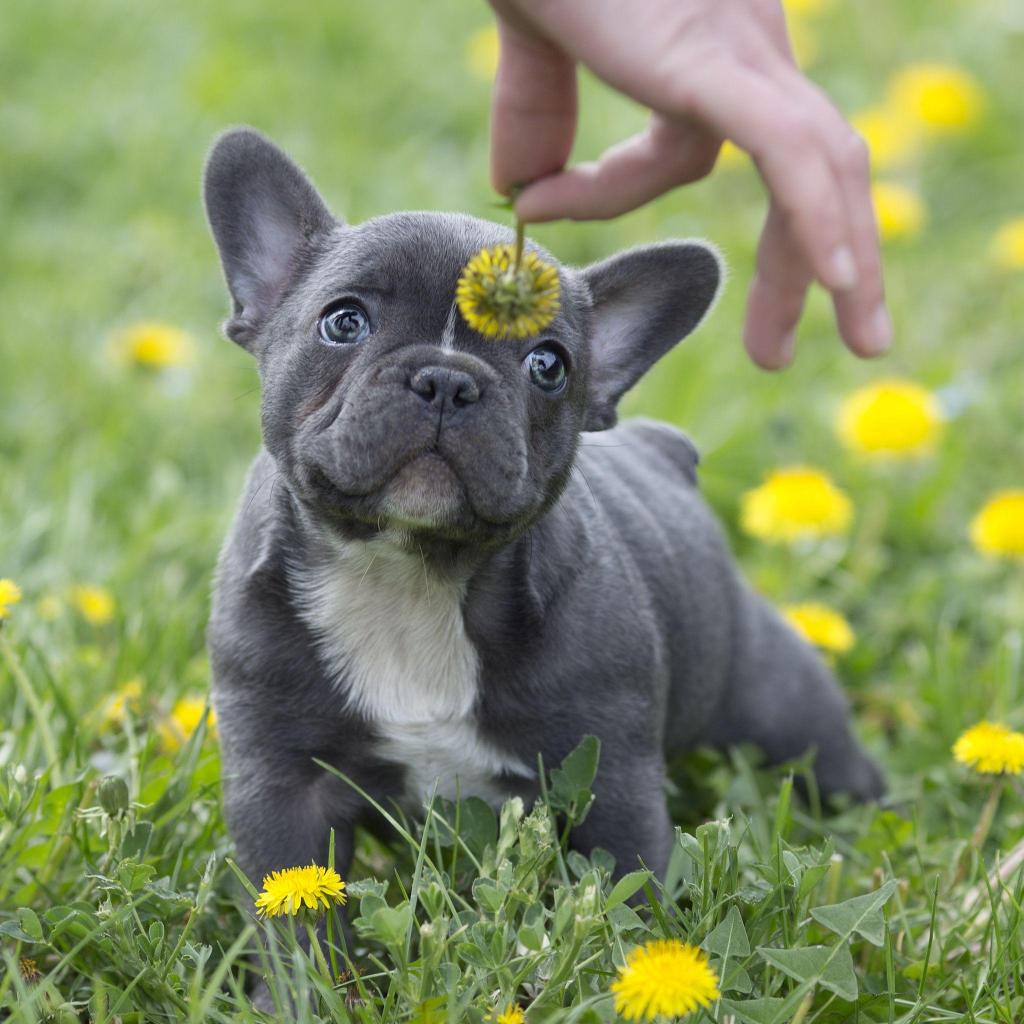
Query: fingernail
(879,334)
(842,268)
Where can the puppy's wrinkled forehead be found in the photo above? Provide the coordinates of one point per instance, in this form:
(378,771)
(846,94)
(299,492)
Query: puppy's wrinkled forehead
(412,262)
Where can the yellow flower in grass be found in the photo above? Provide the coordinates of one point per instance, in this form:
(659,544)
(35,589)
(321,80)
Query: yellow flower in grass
(891,137)
(512,1014)
(10,595)
(126,698)
(482,53)
(1008,245)
(154,345)
(900,211)
(795,503)
(94,604)
(890,419)
(287,892)
(941,98)
(998,529)
(176,729)
(664,978)
(991,749)
(500,300)
(820,625)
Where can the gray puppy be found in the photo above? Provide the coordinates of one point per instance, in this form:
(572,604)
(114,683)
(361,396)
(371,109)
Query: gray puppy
(437,572)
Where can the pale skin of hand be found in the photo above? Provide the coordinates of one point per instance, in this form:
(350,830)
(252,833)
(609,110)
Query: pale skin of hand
(707,70)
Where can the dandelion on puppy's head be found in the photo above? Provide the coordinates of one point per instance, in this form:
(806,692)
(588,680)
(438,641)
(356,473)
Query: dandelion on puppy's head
(292,890)
(664,978)
(991,749)
(502,298)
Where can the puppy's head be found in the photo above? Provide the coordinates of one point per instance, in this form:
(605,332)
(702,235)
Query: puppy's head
(381,406)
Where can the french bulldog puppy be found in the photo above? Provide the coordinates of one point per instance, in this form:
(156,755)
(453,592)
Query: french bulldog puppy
(448,558)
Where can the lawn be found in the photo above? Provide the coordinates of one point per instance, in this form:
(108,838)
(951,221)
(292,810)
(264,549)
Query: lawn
(122,453)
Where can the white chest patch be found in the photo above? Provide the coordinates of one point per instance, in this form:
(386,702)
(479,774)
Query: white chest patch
(393,636)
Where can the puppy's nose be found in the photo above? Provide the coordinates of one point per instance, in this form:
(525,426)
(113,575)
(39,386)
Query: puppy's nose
(445,387)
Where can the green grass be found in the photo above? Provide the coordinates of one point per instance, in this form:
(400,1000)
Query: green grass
(127,480)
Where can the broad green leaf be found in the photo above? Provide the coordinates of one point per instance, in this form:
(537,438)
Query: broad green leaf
(830,967)
(570,784)
(488,895)
(30,924)
(861,915)
(755,1011)
(728,941)
(390,924)
(625,887)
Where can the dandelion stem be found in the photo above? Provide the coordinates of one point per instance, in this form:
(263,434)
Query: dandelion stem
(24,685)
(520,237)
(318,953)
(988,813)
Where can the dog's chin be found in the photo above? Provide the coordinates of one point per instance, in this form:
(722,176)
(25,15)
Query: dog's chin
(426,494)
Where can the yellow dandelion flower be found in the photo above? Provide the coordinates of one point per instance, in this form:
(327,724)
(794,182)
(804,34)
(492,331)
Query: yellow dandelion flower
(1008,245)
(942,99)
(482,53)
(664,978)
(512,1014)
(998,528)
(820,625)
(890,419)
(795,503)
(892,138)
(500,300)
(900,211)
(176,729)
(94,604)
(287,892)
(126,698)
(991,749)
(10,595)
(154,345)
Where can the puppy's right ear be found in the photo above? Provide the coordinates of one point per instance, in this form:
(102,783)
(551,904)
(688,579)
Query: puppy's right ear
(265,216)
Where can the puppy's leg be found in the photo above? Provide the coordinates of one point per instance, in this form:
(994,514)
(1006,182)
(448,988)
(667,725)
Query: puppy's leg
(783,699)
(629,816)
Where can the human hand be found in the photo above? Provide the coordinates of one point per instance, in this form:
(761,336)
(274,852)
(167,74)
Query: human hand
(707,70)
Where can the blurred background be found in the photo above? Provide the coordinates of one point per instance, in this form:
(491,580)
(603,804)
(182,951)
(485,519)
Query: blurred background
(127,421)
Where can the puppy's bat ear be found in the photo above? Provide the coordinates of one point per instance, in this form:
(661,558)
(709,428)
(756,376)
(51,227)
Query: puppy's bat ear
(265,217)
(645,300)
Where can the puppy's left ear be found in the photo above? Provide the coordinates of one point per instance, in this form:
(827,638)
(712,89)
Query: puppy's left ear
(265,216)
(645,300)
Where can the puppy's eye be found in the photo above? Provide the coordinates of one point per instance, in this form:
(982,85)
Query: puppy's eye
(546,369)
(344,325)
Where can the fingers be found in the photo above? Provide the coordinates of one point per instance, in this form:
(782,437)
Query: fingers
(776,294)
(771,125)
(533,111)
(861,312)
(626,176)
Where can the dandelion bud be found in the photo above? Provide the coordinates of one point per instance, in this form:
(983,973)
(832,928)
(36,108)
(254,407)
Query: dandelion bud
(114,796)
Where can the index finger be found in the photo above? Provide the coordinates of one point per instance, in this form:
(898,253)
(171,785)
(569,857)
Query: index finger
(533,111)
